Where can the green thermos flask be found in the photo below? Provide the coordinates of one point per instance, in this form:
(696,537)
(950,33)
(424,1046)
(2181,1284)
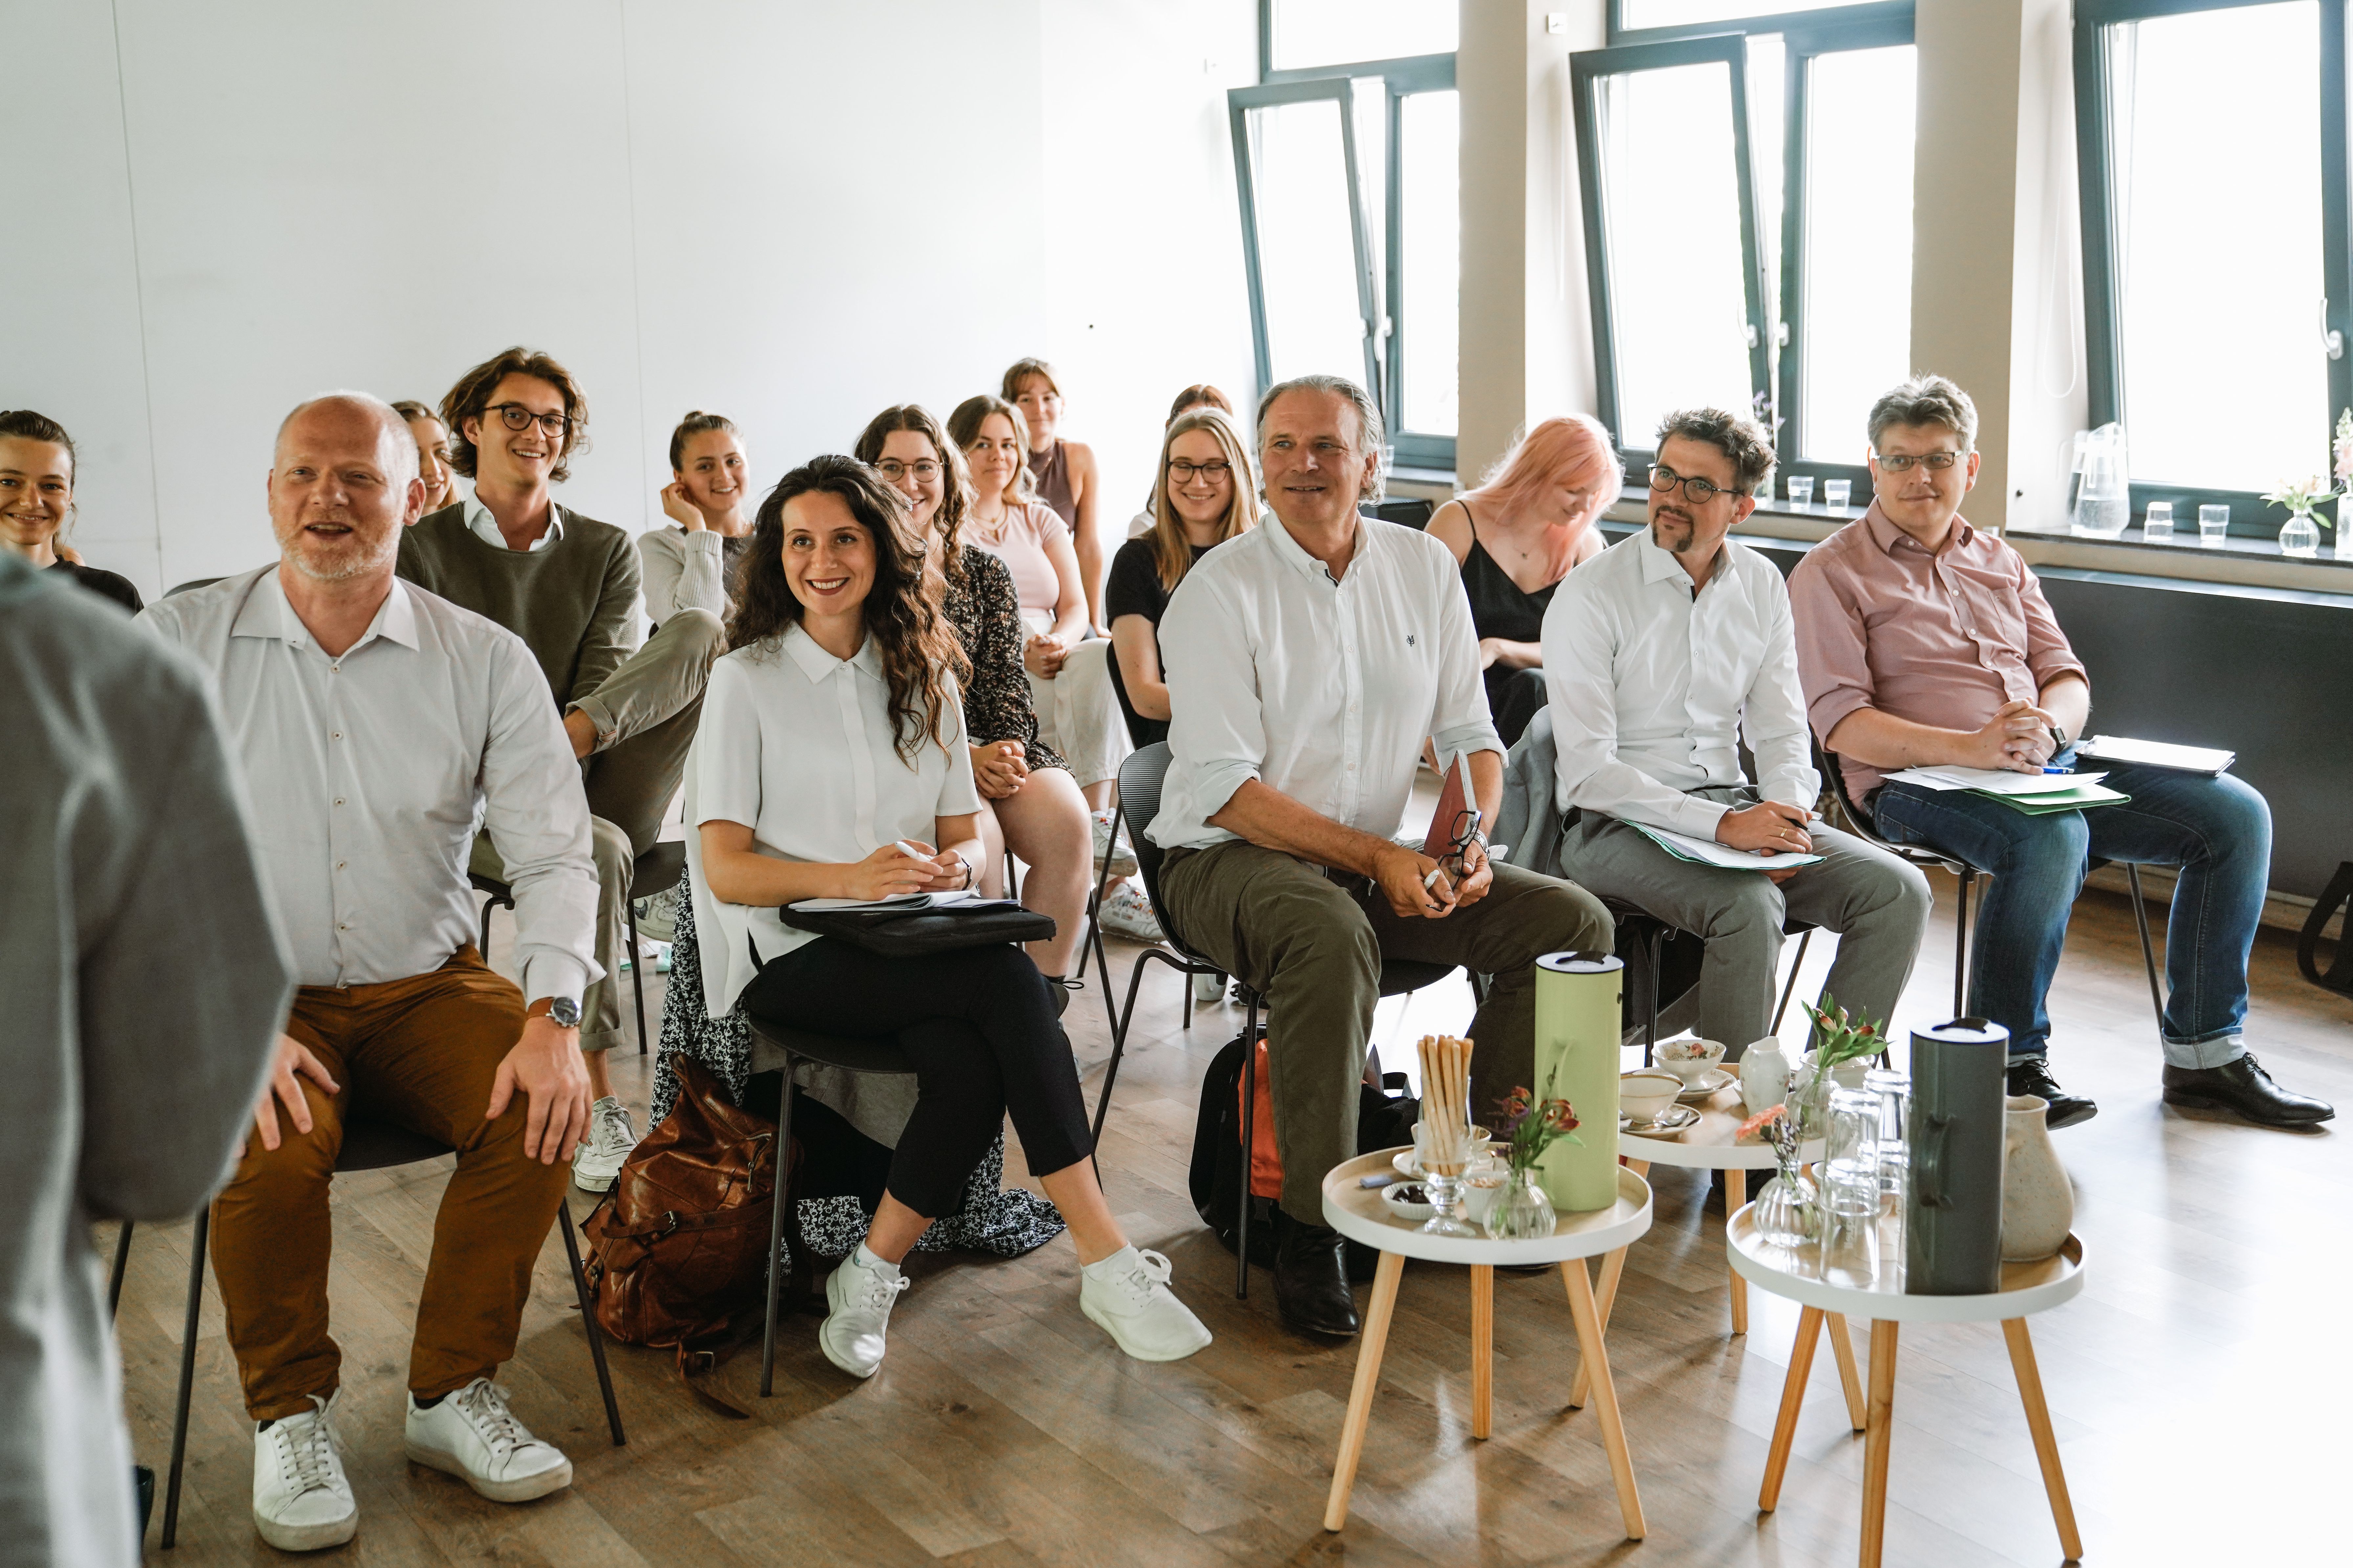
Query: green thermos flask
(1577,1030)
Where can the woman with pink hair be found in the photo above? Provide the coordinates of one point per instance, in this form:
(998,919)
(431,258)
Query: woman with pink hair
(1529,522)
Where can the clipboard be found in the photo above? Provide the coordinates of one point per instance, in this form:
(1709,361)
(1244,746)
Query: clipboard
(1453,799)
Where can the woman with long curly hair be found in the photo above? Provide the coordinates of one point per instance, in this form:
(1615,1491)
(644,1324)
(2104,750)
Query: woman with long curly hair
(1028,800)
(832,763)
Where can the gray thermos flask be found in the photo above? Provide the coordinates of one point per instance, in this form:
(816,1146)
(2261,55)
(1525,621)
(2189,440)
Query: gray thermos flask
(1953,1222)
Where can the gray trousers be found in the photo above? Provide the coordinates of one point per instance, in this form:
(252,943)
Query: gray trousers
(646,713)
(1313,946)
(1876,903)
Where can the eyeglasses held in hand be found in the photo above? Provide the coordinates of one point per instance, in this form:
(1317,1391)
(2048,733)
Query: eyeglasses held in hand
(1466,832)
(518,418)
(924,469)
(1697,491)
(1182,471)
(1901,462)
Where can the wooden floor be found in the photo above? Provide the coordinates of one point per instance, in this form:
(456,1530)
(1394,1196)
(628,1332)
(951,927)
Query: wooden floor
(2198,1384)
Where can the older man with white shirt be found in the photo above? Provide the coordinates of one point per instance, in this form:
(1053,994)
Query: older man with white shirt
(375,725)
(1660,653)
(1306,661)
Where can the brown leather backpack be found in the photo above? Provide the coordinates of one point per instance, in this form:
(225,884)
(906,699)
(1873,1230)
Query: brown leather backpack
(678,1253)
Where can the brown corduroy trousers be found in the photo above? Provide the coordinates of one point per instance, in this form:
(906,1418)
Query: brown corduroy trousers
(421,1053)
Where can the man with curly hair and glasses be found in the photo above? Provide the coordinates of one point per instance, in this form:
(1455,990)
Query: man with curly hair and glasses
(568,585)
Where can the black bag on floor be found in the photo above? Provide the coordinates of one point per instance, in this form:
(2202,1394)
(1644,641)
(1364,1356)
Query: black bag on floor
(2338,895)
(1384,1119)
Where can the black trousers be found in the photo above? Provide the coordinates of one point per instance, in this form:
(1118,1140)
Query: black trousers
(984,1039)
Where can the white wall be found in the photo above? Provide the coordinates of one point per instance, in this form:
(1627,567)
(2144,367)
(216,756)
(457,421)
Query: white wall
(793,214)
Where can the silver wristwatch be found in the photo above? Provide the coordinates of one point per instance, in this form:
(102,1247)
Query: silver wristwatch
(565,1011)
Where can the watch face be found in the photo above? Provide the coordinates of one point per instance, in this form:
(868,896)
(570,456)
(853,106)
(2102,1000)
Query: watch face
(565,1012)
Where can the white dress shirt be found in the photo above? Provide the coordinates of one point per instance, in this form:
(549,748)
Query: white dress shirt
(370,773)
(485,527)
(796,745)
(1651,686)
(1319,689)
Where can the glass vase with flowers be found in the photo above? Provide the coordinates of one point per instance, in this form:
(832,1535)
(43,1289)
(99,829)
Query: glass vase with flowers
(1531,1126)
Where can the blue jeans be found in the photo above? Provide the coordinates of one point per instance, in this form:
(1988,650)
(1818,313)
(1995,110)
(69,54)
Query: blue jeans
(2217,830)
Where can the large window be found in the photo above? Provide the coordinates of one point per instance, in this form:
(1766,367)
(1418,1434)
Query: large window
(1748,190)
(1347,163)
(2212,157)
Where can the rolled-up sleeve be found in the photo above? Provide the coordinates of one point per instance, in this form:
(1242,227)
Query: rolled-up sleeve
(1460,720)
(2049,654)
(537,816)
(1217,735)
(1833,657)
(1580,632)
(682,572)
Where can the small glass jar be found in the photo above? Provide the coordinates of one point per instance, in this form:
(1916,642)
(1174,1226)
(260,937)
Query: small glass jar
(1522,1212)
(1893,1091)
(1850,1155)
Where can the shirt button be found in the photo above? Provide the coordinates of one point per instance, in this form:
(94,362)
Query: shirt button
(339,800)
(339,865)
(343,925)
(334,734)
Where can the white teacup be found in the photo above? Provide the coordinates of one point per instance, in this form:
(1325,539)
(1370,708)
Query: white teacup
(1643,1095)
(1483,1184)
(1691,1060)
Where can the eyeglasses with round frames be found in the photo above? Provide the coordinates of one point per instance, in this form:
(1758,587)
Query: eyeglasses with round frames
(518,418)
(924,469)
(1901,462)
(1182,471)
(1696,490)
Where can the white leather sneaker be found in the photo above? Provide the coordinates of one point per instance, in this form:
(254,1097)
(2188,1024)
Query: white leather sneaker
(472,1436)
(1117,851)
(1127,1296)
(301,1500)
(1126,912)
(611,1135)
(861,1299)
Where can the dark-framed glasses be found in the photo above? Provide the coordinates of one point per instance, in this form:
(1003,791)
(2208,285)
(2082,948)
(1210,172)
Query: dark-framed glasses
(1696,490)
(518,418)
(924,469)
(1183,471)
(1901,462)
(1466,832)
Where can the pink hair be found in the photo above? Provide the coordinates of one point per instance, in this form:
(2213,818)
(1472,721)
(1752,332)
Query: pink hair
(1571,452)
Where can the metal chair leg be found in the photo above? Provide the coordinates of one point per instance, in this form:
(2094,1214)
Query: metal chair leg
(1250,1144)
(187,1373)
(588,1319)
(776,1231)
(1961,946)
(1805,940)
(2147,948)
(122,1265)
(483,945)
(1651,994)
(637,972)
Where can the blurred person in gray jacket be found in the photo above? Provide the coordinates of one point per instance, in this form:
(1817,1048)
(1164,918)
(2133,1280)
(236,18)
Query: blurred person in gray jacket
(143,984)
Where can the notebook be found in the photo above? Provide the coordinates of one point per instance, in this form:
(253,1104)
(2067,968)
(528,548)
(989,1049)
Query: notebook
(2203,760)
(1706,852)
(1439,842)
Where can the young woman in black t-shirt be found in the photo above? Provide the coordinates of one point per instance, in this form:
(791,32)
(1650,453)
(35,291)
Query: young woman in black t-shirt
(36,485)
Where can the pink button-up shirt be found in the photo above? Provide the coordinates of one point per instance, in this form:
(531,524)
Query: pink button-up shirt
(1942,639)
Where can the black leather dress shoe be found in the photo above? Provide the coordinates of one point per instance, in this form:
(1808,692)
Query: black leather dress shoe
(2244,1089)
(2033,1076)
(1311,1280)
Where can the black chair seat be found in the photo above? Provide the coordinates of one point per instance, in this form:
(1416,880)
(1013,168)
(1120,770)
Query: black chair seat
(772,1044)
(658,870)
(1399,976)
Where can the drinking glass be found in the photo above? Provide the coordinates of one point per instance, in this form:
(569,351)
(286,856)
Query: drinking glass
(1893,1091)
(1836,491)
(1801,489)
(2157,528)
(1443,1146)
(2213,524)
(1851,1155)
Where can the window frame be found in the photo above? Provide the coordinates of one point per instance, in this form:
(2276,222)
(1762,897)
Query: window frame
(1796,19)
(2250,516)
(1384,301)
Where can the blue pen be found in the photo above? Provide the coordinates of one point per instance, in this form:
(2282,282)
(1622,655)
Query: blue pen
(2058,770)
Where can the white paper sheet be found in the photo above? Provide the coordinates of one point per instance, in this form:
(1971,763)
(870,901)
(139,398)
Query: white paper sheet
(1993,781)
(1709,853)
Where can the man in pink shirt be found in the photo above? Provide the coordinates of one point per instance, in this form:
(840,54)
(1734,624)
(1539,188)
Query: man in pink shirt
(1923,641)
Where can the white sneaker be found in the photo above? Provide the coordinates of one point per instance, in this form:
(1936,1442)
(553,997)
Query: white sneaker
(301,1500)
(1127,1296)
(860,1298)
(658,915)
(611,1136)
(472,1436)
(1126,912)
(1209,988)
(1121,854)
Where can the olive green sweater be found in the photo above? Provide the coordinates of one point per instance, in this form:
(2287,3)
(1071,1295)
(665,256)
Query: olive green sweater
(573,603)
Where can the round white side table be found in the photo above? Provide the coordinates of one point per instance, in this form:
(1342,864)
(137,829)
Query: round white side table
(1358,1213)
(1797,1274)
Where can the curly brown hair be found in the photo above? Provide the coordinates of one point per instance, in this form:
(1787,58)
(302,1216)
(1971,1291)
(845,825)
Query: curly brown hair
(919,648)
(955,499)
(471,399)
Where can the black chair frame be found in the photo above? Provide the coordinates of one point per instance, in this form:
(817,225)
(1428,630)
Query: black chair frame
(657,871)
(1653,932)
(367,1146)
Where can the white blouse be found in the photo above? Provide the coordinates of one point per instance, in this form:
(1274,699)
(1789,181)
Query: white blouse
(795,745)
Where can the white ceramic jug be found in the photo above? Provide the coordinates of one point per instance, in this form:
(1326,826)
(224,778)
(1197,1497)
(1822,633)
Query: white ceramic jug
(2038,1205)
(1764,1075)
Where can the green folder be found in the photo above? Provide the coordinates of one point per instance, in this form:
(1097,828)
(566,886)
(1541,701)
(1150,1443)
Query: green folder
(2068,797)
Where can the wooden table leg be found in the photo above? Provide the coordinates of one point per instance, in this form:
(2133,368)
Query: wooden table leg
(1594,1354)
(1793,1394)
(1842,1348)
(2046,1443)
(1360,1394)
(1482,1349)
(1736,1192)
(1874,1441)
(1605,1294)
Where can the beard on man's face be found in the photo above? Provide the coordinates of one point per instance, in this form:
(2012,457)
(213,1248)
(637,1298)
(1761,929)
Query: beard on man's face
(313,548)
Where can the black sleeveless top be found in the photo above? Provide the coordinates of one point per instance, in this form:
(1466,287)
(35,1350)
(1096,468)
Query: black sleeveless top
(1499,606)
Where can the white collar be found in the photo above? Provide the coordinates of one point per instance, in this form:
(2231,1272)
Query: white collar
(266,613)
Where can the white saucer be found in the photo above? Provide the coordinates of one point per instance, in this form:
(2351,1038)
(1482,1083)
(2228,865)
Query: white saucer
(1674,1118)
(1707,1085)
